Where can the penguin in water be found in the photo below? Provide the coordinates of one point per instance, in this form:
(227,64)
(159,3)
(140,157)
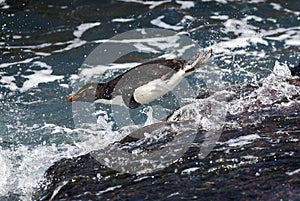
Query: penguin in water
(141,84)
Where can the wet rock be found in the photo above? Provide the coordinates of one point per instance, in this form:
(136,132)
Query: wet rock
(257,157)
(295,71)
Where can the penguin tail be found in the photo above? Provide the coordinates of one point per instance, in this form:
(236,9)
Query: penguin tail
(198,60)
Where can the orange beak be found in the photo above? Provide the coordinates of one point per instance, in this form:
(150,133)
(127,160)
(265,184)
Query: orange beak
(70,98)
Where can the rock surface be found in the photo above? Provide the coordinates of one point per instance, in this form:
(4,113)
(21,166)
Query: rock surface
(257,157)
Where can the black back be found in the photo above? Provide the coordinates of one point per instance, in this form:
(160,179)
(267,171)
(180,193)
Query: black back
(126,83)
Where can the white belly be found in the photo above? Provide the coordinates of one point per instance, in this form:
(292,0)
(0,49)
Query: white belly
(157,88)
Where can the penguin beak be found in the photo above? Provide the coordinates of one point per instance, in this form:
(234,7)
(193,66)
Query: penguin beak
(71,98)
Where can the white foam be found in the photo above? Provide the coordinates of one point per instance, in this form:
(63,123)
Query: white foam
(253,17)
(247,36)
(250,157)
(296,13)
(16,37)
(281,37)
(293,42)
(109,189)
(77,42)
(57,129)
(123,20)
(9,82)
(43,45)
(28,165)
(83,28)
(25,61)
(276,6)
(274,88)
(5,172)
(190,170)
(187,18)
(64,85)
(4,5)
(220,17)
(145,48)
(288,35)
(281,71)
(186,4)
(151,4)
(158,22)
(23,168)
(293,172)
(242,140)
(72,44)
(39,76)
(100,72)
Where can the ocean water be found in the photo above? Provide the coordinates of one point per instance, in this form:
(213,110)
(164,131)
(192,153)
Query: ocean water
(44,44)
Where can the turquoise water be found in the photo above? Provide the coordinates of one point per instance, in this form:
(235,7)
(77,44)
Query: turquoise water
(44,44)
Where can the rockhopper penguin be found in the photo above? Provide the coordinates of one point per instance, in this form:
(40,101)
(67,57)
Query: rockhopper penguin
(141,84)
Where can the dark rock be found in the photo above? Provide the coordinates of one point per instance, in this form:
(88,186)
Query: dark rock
(265,166)
(295,71)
